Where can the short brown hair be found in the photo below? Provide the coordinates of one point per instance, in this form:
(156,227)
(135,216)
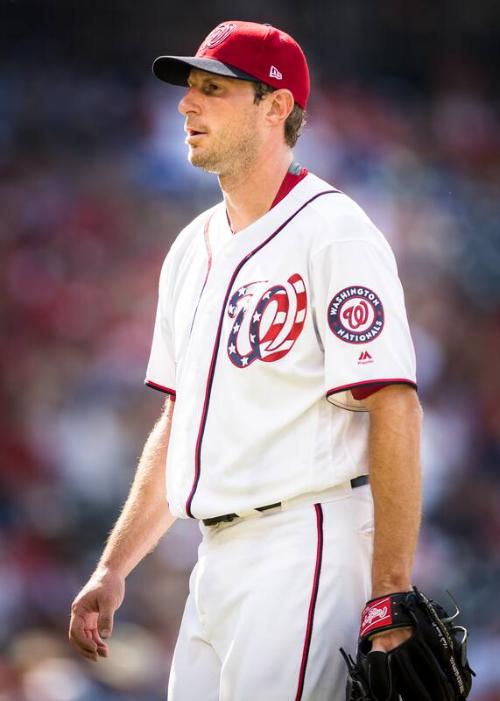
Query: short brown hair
(295,121)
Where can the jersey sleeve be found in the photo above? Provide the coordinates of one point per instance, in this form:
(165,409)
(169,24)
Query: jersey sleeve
(160,373)
(361,320)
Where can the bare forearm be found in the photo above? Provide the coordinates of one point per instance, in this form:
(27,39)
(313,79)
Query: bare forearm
(145,516)
(394,455)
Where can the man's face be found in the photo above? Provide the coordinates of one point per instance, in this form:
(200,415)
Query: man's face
(223,123)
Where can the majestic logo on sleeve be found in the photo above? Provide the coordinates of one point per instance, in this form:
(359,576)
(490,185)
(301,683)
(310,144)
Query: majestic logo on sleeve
(266,328)
(356,315)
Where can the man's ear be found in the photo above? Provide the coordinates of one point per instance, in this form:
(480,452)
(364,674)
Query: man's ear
(280,104)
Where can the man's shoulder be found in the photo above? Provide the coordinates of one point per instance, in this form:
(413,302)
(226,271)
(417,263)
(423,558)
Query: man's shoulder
(337,205)
(189,236)
(191,231)
(340,218)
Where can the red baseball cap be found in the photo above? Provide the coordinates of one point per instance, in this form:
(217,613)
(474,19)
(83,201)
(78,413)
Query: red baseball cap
(248,51)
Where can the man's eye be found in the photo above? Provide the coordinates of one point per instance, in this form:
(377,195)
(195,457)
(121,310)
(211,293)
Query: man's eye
(211,87)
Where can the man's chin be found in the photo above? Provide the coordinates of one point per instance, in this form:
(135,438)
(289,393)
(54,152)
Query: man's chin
(203,162)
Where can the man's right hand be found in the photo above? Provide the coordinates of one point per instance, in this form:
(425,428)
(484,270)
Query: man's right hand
(92,614)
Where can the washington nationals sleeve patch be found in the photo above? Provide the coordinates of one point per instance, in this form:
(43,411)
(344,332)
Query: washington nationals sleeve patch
(356,315)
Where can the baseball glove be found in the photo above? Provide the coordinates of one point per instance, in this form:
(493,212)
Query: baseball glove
(430,666)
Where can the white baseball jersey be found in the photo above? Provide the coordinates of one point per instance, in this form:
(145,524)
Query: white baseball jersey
(255,331)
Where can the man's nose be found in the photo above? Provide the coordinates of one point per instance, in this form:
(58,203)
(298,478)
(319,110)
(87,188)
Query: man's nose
(189,103)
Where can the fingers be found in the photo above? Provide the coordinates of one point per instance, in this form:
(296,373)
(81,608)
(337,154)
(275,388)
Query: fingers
(81,625)
(96,637)
(379,675)
(92,615)
(88,656)
(389,639)
(88,631)
(105,625)
(102,647)
(87,641)
(83,643)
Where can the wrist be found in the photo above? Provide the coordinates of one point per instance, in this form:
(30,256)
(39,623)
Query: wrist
(108,571)
(390,586)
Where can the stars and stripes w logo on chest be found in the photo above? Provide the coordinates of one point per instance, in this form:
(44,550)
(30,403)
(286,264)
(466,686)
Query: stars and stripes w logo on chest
(268,319)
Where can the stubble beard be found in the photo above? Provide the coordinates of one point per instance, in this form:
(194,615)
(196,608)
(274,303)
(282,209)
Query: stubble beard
(234,153)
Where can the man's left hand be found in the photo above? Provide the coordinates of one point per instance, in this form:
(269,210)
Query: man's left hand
(389,639)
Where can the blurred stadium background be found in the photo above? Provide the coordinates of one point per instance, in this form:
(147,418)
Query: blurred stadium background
(94,185)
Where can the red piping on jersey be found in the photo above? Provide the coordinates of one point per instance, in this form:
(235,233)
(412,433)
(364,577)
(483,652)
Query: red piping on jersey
(209,250)
(211,371)
(312,603)
(378,384)
(209,265)
(155,385)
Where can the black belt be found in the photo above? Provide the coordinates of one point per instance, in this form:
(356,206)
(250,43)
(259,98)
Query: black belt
(227,518)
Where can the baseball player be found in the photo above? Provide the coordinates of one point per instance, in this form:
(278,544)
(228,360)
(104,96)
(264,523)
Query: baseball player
(291,425)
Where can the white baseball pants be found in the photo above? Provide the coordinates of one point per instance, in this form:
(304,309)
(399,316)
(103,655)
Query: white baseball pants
(272,599)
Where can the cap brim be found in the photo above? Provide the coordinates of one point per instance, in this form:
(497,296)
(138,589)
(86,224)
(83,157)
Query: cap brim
(176,69)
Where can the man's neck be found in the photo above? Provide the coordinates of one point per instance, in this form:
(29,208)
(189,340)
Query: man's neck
(249,194)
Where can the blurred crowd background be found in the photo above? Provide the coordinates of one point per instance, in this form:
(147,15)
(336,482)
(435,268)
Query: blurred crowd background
(94,186)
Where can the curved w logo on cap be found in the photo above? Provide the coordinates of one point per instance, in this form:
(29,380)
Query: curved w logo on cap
(218,35)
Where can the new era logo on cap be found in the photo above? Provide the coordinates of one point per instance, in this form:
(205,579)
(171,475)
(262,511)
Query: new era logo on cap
(247,51)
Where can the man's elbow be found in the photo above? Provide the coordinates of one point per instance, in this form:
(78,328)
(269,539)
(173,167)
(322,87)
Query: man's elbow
(396,399)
